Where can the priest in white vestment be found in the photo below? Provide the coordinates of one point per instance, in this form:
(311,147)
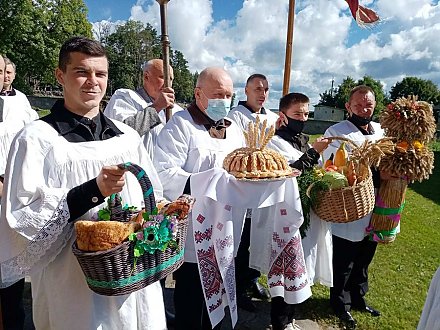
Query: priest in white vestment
(60,169)
(138,108)
(353,251)
(195,140)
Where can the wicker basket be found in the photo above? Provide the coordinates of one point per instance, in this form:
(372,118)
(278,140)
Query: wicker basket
(116,272)
(346,204)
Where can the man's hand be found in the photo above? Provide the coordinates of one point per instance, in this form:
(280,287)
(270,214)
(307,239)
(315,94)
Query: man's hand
(110,180)
(281,121)
(165,99)
(320,144)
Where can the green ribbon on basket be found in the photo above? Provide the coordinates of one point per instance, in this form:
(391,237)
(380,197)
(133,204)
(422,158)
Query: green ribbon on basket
(138,277)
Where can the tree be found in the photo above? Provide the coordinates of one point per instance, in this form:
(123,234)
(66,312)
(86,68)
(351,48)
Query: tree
(183,79)
(327,98)
(128,48)
(342,93)
(426,90)
(32,32)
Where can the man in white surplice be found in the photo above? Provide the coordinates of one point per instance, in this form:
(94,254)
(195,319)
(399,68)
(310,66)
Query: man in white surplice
(195,140)
(134,107)
(15,112)
(246,112)
(353,251)
(60,169)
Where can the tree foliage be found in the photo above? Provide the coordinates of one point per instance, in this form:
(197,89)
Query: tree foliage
(130,46)
(32,32)
(426,90)
(339,96)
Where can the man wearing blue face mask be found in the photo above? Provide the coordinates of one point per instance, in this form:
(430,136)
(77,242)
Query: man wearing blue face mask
(196,140)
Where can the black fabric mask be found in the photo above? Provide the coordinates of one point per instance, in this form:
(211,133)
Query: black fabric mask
(295,126)
(360,121)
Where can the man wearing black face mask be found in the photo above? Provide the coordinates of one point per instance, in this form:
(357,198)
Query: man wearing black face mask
(291,142)
(352,249)
(294,112)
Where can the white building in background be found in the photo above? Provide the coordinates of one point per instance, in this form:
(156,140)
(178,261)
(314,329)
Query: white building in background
(323,112)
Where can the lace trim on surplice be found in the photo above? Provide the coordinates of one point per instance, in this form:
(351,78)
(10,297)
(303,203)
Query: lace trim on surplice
(42,250)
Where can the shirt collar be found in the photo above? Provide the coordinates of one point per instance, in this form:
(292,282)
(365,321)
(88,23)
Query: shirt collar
(216,129)
(66,121)
(243,103)
(10,92)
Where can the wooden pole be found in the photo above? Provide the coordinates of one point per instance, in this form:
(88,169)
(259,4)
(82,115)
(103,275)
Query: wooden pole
(165,49)
(289,43)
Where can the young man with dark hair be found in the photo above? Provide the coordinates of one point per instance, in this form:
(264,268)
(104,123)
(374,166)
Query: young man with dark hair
(290,141)
(61,168)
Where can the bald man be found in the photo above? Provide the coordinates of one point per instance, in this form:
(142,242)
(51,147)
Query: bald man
(143,109)
(195,140)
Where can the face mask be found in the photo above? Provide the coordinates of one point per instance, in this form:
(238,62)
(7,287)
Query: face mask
(218,108)
(359,121)
(295,126)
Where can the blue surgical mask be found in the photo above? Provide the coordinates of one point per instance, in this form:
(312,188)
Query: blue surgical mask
(218,108)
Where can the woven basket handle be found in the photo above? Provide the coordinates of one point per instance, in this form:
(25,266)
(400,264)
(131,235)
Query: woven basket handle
(116,211)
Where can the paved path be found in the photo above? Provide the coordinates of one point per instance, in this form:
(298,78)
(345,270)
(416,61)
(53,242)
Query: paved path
(247,321)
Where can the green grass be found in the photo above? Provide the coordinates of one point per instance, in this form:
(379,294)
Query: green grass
(401,272)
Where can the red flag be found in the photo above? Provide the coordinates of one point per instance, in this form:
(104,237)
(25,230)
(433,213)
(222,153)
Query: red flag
(364,17)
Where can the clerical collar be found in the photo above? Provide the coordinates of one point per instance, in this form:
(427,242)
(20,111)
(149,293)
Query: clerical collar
(10,92)
(76,128)
(243,103)
(216,129)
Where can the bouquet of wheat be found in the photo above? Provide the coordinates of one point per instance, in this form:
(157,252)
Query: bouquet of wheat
(411,123)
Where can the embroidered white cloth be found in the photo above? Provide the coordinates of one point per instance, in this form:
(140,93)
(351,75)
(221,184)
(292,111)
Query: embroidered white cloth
(317,245)
(278,214)
(36,237)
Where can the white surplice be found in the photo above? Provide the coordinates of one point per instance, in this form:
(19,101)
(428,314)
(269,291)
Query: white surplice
(354,231)
(242,116)
(126,103)
(317,244)
(16,113)
(430,318)
(36,239)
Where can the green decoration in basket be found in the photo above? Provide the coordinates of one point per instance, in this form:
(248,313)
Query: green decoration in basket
(158,232)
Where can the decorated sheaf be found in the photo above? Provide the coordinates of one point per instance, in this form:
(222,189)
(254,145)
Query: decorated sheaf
(255,161)
(411,124)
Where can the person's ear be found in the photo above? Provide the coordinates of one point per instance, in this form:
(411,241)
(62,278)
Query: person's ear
(59,75)
(347,106)
(197,93)
(246,90)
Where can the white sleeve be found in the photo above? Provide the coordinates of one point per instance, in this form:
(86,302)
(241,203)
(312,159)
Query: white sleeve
(170,155)
(34,220)
(124,104)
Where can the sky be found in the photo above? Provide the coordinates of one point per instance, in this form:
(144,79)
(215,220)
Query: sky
(247,37)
